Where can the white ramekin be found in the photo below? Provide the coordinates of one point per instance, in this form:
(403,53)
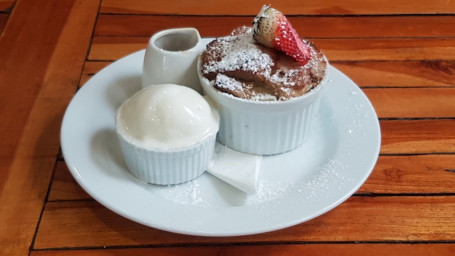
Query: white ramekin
(168,167)
(264,128)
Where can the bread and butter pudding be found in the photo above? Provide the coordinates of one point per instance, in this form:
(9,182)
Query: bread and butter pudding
(238,65)
(266,83)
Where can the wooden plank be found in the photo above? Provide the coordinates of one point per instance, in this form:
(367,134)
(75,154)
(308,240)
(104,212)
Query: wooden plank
(389,49)
(64,187)
(412,102)
(3,19)
(366,49)
(307,26)
(389,249)
(37,81)
(289,7)
(91,68)
(418,136)
(400,73)
(6,5)
(128,25)
(412,174)
(113,48)
(388,219)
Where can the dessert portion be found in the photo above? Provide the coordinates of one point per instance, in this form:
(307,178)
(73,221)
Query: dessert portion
(167,133)
(167,117)
(266,62)
(266,83)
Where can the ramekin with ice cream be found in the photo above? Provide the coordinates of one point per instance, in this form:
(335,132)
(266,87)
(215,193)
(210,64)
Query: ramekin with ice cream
(167,133)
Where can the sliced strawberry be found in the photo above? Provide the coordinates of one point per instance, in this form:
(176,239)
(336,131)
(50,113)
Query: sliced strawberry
(273,29)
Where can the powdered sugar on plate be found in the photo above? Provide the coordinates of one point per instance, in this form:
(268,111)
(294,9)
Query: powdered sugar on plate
(271,189)
(319,183)
(187,194)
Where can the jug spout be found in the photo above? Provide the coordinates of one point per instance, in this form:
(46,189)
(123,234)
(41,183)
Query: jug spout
(171,57)
(176,40)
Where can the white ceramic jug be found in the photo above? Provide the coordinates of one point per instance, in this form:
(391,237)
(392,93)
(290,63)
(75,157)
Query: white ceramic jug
(171,57)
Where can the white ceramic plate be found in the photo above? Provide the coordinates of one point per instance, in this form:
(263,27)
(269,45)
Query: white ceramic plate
(294,187)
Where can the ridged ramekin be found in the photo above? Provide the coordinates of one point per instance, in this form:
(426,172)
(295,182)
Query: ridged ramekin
(157,160)
(167,167)
(264,128)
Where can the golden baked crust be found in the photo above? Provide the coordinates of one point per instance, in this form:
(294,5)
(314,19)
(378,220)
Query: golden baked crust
(237,65)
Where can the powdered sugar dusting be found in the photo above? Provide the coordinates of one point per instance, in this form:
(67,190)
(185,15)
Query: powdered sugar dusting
(286,77)
(238,52)
(240,90)
(259,69)
(186,194)
(326,178)
(225,82)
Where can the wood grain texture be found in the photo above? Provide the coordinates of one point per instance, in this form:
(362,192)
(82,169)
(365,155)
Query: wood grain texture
(132,25)
(64,187)
(413,102)
(414,174)
(90,69)
(401,53)
(47,72)
(3,19)
(288,7)
(113,48)
(418,136)
(400,73)
(359,49)
(306,26)
(268,250)
(388,49)
(6,5)
(388,219)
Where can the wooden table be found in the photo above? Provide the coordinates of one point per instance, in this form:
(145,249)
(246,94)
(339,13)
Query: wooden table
(401,53)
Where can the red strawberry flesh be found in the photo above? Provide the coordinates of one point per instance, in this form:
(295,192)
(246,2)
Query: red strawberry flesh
(273,29)
(288,41)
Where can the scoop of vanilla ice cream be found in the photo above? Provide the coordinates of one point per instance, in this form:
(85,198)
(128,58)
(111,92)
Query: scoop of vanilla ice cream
(167,117)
